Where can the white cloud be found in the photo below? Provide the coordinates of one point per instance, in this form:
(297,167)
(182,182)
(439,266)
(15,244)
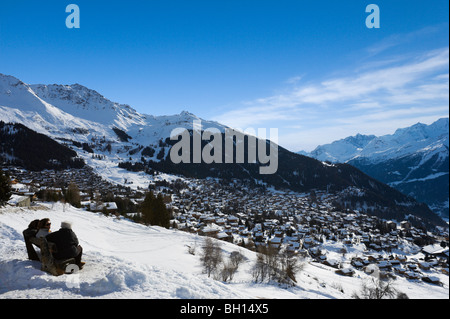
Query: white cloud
(389,94)
(399,39)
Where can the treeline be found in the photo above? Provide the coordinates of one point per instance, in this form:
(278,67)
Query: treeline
(154,211)
(5,188)
(70,195)
(34,151)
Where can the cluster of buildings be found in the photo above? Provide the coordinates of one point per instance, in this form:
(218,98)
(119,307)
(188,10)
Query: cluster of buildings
(302,223)
(284,218)
(28,185)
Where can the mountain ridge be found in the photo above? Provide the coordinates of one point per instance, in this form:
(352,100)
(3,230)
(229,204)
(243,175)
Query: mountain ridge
(404,141)
(413,160)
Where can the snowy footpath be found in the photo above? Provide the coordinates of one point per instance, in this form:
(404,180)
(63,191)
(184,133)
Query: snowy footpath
(128,260)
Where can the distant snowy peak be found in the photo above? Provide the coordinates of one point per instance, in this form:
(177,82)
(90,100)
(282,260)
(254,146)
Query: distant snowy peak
(421,131)
(342,150)
(418,138)
(413,160)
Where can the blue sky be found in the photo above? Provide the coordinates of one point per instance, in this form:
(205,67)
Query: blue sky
(312,69)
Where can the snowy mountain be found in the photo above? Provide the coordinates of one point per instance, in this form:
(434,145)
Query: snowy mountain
(122,138)
(414,160)
(81,114)
(343,150)
(419,138)
(85,103)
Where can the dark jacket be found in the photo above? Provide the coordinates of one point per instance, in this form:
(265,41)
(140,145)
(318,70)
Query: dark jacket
(66,243)
(27,234)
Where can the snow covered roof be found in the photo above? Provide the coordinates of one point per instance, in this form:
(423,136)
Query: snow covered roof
(211,228)
(435,249)
(108,205)
(16,199)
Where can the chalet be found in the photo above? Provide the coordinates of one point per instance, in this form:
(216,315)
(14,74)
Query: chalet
(405,225)
(435,251)
(432,280)
(395,262)
(224,236)
(332,263)
(400,270)
(220,221)
(390,225)
(374,258)
(308,242)
(346,272)
(259,236)
(109,207)
(412,275)
(424,265)
(233,220)
(279,233)
(358,262)
(211,230)
(384,265)
(412,266)
(293,246)
(19,201)
(275,242)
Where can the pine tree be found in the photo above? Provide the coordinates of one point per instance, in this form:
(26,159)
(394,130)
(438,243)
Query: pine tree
(5,188)
(154,211)
(72,195)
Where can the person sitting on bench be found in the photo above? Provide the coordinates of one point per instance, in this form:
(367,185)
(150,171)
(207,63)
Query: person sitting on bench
(43,228)
(28,233)
(66,244)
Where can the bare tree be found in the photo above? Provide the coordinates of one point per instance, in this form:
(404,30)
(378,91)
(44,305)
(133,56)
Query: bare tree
(271,265)
(260,269)
(266,266)
(230,268)
(376,288)
(236,258)
(211,256)
(290,266)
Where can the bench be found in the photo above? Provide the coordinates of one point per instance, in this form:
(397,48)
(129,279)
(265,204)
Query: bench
(50,264)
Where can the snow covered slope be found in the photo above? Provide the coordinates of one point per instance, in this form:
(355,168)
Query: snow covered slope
(129,260)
